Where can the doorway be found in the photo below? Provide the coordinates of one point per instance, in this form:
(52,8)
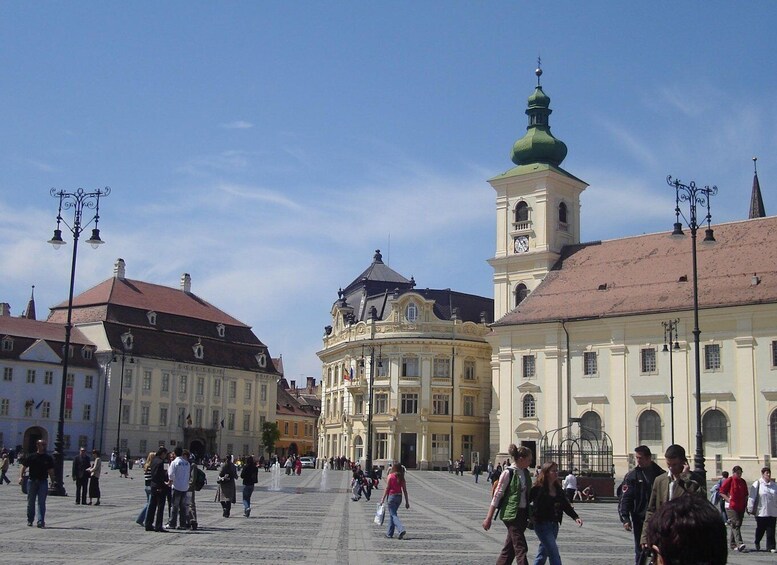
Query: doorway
(407,454)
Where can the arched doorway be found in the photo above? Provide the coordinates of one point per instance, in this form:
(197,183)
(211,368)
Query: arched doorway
(31,436)
(197,448)
(293,449)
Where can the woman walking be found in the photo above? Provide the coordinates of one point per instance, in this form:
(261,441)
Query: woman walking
(141,519)
(249,476)
(762,503)
(227,476)
(94,481)
(395,488)
(549,502)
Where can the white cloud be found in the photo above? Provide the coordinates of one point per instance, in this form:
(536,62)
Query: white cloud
(238,124)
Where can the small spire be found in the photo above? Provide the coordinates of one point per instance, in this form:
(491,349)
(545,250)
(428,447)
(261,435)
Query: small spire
(756,201)
(538,71)
(29,313)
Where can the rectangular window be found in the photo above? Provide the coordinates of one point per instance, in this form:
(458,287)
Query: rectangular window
(230,447)
(5,405)
(28,409)
(647,360)
(231,421)
(381,446)
(163,415)
(144,412)
(217,388)
(165,382)
(71,380)
(410,366)
(31,376)
(440,404)
(247,392)
(469,370)
(128,378)
(48,377)
(181,420)
(198,417)
(382,366)
(774,354)
(183,380)
(528,369)
(469,405)
(66,441)
(147,380)
(82,441)
(200,386)
(143,446)
(87,412)
(590,366)
(381,403)
(296,429)
(7,373)
(262,420)
(712,357)
(358,404)
(246,422)
(441,447)
(45,411)
(125,414)
(409,403)
(68,413)
(263,393)
(467,443)
(285,428)
(232,390)
(215,419)
(442,368)
(87,381)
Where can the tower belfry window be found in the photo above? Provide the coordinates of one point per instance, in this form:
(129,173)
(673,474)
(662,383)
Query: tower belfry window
(562,213)
(521,212)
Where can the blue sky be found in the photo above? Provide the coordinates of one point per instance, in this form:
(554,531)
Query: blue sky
(268,148)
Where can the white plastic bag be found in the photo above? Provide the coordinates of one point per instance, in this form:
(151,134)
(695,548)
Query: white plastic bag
(380,513)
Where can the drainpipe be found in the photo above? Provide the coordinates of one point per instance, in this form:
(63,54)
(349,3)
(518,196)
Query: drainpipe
(569,373)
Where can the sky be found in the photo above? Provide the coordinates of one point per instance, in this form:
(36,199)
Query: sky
(269,148)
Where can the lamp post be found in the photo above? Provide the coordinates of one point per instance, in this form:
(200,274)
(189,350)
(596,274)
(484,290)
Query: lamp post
(373,315)
(694,196)
(670,344)
(127,342)
(77,201)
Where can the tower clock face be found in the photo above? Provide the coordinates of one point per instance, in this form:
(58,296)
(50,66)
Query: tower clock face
(521,244)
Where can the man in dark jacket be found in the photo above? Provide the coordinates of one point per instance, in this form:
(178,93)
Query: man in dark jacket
(159,481)
(81,463)
(635,490)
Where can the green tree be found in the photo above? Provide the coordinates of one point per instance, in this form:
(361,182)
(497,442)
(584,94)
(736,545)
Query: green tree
(270,434)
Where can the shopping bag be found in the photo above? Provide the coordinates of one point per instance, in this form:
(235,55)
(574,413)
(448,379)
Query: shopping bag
(380,513)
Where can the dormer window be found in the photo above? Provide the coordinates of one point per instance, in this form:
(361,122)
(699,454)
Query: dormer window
(261,359)
(151,317)
(127,341)
(7,344)
(86,353)
(199,350)
(411,312)
(221,329)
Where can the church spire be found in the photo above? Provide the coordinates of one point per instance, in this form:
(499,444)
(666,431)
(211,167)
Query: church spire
(756,202)
(539,145)
(29,313)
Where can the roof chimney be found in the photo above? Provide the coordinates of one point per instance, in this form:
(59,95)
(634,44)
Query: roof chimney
(118,269)
(186,282)
(293,384)
(311,383)
(5,309)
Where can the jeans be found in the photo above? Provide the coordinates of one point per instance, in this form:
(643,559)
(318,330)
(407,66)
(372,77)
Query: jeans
(37,489)
(394,500)
(141,519)
(248,490)
(547,532)
(179,509)
(156,508)
(636,528)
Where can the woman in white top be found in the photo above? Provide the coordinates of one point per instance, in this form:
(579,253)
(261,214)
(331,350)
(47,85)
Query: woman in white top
(762,503)
(94,480)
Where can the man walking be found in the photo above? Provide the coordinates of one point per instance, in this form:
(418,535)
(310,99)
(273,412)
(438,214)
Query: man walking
(80,474)
(41,466)
(734,491)
(635,496)
(178,472)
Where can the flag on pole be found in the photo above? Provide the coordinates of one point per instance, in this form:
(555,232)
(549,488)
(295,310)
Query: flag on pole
(189,420)
(222,422)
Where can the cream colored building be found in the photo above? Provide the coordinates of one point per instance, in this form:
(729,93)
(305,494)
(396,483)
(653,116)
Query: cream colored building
(427,353)
(579,337)
(193,375)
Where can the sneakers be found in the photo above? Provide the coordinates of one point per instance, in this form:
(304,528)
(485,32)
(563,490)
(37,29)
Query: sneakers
(402,534)
(741,547)
(29,524)
(388,536)
(41,524)
(247,512)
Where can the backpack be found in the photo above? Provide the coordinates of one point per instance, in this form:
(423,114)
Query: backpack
(494,486)
(198,479)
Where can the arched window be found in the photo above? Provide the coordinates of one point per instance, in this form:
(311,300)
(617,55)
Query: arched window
(649,427)
(562,213)
(714,427)
(359,446)
(520,293)
(773,432)
(591,426)
(411,313)
(529,407)
(521,212)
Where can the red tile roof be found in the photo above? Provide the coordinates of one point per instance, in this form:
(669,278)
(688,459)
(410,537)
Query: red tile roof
(23,327)
(653,273)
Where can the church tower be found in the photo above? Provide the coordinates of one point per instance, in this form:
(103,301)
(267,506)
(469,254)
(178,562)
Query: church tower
(537,208)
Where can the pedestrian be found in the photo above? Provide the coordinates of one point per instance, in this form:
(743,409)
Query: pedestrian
(686,530)
(123,466)
(549,502)
(718,500)
(156,504)
(94,477)
(476,472)
(570,485)
(4,469)
(249,474)
(80,474)
(396,486)
(178,473)
(635,494)
(461,466)
(141,519)
(197,480)
(762,503)
(226,492)
(41,467)
(512,503)
(673,484)
(734,492)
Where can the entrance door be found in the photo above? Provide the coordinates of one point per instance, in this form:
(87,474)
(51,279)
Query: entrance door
(533,446)
(407,455)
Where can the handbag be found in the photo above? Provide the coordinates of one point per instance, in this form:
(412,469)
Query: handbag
(380,514)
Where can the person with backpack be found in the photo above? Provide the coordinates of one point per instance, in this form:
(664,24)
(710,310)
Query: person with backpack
(197,480)
(250,478)
(511,502)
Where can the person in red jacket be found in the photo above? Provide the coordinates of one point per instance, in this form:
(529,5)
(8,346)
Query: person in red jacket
(734,491)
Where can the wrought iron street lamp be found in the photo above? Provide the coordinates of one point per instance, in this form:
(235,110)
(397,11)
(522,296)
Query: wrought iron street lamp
(695,196)
(77,201)
(670,344)
(127,343)
(371,395)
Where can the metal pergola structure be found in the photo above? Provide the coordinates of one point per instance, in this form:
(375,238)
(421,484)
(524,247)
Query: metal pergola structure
(576,446)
